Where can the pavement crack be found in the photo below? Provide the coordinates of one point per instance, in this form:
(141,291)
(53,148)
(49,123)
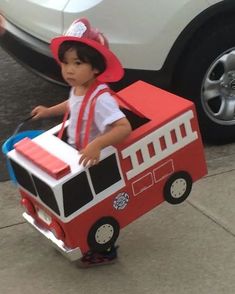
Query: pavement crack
(213,219)
(218,173)
(12,225)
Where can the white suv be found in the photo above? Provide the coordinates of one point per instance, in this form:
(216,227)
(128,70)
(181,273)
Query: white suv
(185,46)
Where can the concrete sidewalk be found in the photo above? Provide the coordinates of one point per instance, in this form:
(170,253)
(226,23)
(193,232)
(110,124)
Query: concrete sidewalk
(184,249)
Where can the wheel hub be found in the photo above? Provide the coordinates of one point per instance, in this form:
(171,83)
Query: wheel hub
(178,187)
(218,90)
(104,234)
(232,85)
(228,84)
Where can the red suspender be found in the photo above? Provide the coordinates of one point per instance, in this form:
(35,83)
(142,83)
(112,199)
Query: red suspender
(81,114)
(83,106)
(85,101)
(60,134)
(92,110)
(91,116)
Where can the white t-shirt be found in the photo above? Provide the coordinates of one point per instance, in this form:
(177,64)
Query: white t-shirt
(106,112)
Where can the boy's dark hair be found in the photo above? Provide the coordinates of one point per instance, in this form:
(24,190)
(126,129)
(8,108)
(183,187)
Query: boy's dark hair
(85,53)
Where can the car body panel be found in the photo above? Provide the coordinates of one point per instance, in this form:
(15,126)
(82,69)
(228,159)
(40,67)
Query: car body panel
(139,35)
(124,36)
(161,42)
(214,1)
(40,18)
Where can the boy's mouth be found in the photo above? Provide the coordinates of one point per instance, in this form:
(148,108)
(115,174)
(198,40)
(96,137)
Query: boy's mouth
(70,80)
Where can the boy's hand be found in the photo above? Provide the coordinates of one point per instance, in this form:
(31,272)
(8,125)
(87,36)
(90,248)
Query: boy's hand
(90,154)
(40,112)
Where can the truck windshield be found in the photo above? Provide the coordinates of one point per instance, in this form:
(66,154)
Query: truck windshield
(46,194)
(35,186)
(23,177)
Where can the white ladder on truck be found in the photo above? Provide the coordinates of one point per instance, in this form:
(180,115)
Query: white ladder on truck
(164,133)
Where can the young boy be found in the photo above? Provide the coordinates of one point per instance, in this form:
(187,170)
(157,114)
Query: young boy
(86,65)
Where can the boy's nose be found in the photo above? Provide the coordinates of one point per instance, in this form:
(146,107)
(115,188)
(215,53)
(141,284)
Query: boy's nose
(70,68)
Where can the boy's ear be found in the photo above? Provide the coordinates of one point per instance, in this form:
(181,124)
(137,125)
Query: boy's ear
(96,71)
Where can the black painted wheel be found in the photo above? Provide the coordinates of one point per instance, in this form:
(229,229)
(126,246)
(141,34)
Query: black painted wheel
(103,234)
(178,187)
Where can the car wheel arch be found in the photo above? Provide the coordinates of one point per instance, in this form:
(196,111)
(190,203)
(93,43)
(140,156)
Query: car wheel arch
(206,20)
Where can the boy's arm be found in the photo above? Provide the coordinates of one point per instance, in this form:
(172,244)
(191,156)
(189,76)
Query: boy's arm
(43,111)
(119,130)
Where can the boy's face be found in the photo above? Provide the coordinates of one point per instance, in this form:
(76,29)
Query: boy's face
(75,72)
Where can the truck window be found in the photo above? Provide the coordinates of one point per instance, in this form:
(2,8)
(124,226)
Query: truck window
(76,193)
(46,194)
(135,120)
(23,177)
(105,174)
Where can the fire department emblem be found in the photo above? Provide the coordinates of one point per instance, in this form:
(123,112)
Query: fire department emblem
(120,201)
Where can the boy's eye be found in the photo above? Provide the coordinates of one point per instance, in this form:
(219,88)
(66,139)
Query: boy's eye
(78,62)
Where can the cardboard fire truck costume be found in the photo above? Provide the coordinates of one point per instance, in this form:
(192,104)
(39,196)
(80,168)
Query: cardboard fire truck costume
(79,208)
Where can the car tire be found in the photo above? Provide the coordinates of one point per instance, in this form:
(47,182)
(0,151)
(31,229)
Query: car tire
(103,234)
(177,187)
(206,75)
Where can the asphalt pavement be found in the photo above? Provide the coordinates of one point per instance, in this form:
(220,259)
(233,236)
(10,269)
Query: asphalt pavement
(183,249)
(20,92)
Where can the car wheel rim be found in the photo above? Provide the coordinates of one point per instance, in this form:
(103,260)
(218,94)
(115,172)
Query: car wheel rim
(218,89)
(104,234)
(178,188)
